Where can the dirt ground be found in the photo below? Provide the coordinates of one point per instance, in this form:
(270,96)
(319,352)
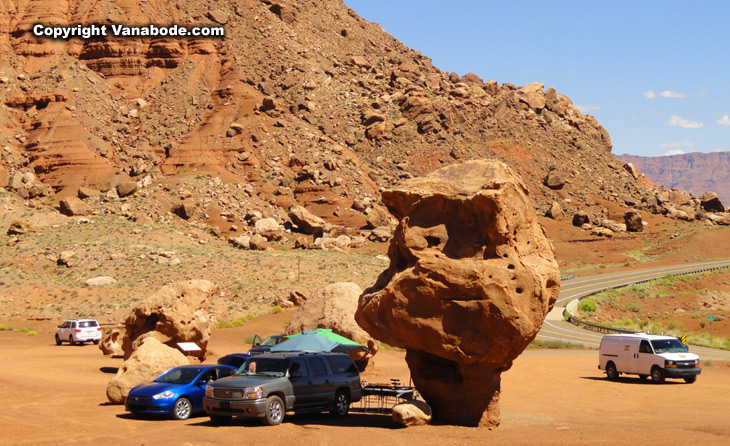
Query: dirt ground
(56,394)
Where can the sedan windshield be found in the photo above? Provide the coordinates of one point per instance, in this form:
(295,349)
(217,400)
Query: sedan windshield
(668,346)
(264,367)
(179,375)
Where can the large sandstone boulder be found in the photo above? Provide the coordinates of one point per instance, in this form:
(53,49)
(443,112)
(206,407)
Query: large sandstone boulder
(176,313)
(149,360)
(334,307)
(554,179)
(471,278)
(307,222)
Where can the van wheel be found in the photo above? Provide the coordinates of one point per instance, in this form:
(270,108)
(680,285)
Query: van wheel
(342,404)
(274,411)
(657,375)
(611,372)
(690,379)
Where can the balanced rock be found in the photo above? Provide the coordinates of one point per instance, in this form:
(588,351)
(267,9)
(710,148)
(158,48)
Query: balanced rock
(149,360)
(471,278)
(175,313)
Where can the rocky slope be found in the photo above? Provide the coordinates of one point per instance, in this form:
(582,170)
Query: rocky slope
(302,103)
(694,172)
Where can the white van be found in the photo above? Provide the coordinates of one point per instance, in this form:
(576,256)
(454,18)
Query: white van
(647,355)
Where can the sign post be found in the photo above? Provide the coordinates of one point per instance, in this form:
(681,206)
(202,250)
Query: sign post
(711,318)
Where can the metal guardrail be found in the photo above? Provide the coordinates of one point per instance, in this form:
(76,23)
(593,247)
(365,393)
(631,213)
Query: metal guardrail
(605,328)
(568,277)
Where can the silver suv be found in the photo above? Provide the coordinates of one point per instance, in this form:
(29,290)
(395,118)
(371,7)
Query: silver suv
(78,331)
(269,385)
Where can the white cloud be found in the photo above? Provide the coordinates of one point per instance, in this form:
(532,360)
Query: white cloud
(678,121)
(665,94)
(672,94)
(725,120)
(587,108)
(674,152)
(672,145)
(702,93)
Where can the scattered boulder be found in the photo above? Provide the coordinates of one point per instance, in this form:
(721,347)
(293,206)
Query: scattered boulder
(126,188)
(149,360)
(269,228)
(602,232)
(412,413)
(258,243)
(19,227)
(241,242)
(470,281)
(100,281)
(111,344)
(67,258)
(218,16)
(711,202)
(633,221)
(554,179)
(87,192)
(381,234)
(184,210)
(307,222)
(73,206)
(581,218)
(376,216)
(175,313)
(555,211)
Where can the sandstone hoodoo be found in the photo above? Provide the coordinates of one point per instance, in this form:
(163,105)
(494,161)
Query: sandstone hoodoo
(176,313)
(471,278)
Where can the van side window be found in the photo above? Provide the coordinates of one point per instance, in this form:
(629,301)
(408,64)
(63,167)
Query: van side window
(644,347)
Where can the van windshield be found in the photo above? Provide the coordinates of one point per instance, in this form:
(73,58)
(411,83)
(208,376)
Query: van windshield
(668,346)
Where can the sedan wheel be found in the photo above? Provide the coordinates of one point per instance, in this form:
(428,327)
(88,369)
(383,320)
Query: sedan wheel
(182,410)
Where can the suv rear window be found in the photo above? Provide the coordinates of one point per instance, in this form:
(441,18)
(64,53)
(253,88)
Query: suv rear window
(341,364)
(88,324)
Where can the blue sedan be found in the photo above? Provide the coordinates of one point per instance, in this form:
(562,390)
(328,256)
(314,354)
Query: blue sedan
(178,392)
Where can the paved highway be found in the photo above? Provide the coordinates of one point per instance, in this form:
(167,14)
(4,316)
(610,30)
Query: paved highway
(555,328)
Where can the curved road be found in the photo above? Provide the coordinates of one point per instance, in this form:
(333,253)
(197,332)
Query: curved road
(555,328)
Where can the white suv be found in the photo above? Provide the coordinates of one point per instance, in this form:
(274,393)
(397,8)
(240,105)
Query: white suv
(78,330)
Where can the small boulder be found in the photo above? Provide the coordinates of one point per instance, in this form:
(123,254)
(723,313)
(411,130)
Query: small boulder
(19,227)
(633,221)
(258,243)
(555,211)
(184,210)
(554,180)
(412,413)
(87,192)
(711,202)
(100,281)
(67,258)
(269,228)
(307,222)
(72,206)
(581,218)
(126,188)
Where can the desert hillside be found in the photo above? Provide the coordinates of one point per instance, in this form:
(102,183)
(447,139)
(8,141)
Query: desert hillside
(693,172)
(301,102)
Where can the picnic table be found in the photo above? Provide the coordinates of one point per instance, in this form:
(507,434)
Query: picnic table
(383,396)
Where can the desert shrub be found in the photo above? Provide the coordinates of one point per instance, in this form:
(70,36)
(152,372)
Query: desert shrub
(277,309)
(587,305)
(31,333)
(4,327)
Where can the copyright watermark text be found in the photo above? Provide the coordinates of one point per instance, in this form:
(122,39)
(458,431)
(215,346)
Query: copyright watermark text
(93,30)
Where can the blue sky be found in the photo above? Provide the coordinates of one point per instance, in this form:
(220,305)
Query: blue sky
(655,74)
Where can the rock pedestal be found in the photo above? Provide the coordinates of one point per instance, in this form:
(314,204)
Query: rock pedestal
(471,278)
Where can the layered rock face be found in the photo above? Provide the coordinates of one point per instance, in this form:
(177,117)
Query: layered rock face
(176,313)
(471,278)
